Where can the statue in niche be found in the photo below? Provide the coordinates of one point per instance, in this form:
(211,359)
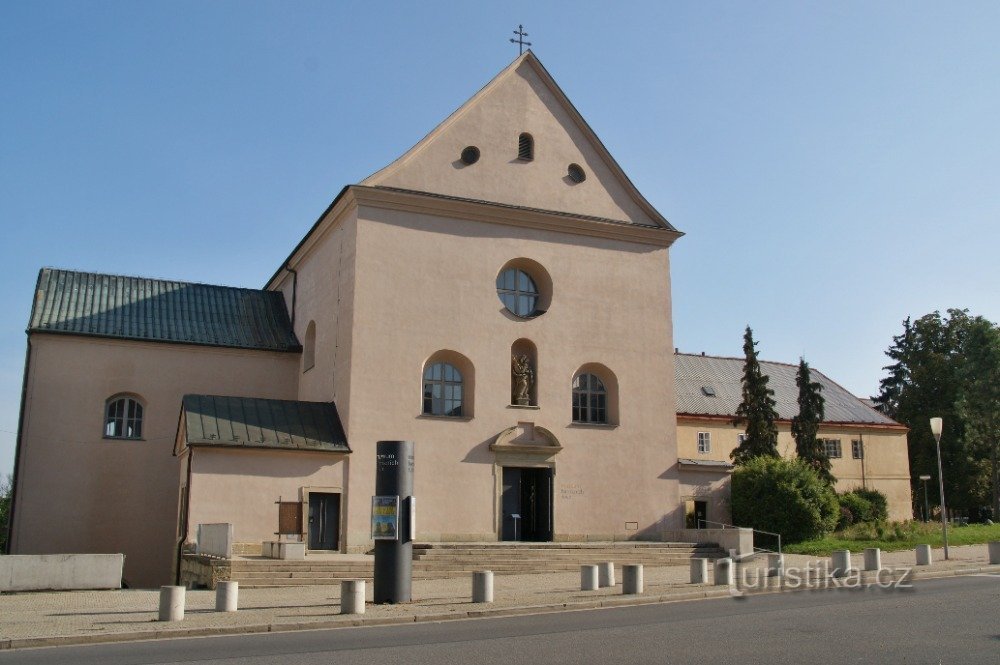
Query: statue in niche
(522,376)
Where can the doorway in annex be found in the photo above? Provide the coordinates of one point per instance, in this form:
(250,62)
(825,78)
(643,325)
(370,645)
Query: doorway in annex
(526,504)
(324,521)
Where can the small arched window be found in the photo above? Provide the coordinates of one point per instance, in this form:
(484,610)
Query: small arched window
(309,348)
(590,399)
(525,147)
(442,390)
(123,418)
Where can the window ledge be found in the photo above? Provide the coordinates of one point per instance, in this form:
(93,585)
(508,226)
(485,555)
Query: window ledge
(122,438)
(577,425)
(428,416)
(524,406)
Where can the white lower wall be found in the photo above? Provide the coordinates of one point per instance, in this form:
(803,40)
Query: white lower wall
(61,572)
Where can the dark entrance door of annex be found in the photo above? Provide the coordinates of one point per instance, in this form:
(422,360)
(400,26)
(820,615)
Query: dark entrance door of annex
(527,492)
(324,521)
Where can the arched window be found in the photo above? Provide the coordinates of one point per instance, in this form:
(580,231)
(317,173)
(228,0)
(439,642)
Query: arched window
(123,418)
(590,399)
(309,348)
(442,390)
(525,147)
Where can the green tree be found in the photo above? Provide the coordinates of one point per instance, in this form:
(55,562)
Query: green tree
(6,488)
(756,411)
(925,380)
(783,496)
(979,402)
(805,426)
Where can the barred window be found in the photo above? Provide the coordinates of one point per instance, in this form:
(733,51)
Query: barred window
(832,448)
(857,449)
(525,147)
(123,418)
(590,400)
(442,390)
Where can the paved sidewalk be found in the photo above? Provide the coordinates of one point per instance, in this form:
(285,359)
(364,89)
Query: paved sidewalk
(48,618)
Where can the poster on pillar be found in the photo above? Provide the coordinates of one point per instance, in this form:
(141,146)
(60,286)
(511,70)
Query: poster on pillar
(385,518)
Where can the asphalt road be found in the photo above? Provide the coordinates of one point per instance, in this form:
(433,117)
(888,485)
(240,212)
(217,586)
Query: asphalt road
(942,622)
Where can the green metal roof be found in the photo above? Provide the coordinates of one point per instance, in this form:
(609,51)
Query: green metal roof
(82,303)
(248,422)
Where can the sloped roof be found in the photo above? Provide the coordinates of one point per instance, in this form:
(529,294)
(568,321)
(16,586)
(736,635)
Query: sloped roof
(249,422)
(137,308)
(723,377)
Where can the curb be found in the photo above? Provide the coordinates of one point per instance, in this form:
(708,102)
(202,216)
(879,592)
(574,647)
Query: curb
(604,602)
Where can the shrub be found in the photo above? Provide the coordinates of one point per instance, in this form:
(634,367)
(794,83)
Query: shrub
(783,496)
(878,501)
(864,506)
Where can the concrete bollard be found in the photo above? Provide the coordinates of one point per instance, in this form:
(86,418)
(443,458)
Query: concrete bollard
(172,603)
(482,586)
(840,561)
(924,555)
(775,565)
(873,558)
(632,579)
(588,578)
(226,594)
(725,575)
(606,574)
(699,571)
(352,597)
(994,549)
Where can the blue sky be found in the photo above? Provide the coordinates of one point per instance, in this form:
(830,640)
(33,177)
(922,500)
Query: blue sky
(834,165)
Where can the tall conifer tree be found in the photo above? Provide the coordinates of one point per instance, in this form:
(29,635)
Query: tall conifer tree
(756,411)
(805,426)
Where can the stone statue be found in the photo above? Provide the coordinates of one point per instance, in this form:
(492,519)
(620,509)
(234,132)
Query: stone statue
(523,377)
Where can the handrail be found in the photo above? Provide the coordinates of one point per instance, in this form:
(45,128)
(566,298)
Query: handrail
(731,526)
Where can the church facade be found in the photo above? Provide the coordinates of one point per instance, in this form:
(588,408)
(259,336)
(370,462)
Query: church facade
(500,295)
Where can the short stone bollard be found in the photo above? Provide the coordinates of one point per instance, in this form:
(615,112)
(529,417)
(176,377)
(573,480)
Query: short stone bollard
(172,603)
(226,594)
(924,555)
(632,579)
(725,575)
(588,577)
(873,558)
(606,574)
(352,597)
(994,549)
(482,586)
(775,565)
(699,571)
(840,561)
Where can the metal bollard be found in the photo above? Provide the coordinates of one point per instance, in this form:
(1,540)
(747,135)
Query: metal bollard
(226,594)
(588,577)
(994,549)
(482,586)
(632,579)
(873,558)
(840,560)
(775,565)
(172,603)
(352,597)
(924,555)
(724,573)
(699,571)
(606,574)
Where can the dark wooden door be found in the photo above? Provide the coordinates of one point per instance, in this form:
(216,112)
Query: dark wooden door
(324,521)
(526,504)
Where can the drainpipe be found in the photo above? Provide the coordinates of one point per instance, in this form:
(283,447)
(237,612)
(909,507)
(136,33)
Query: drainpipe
(17,447)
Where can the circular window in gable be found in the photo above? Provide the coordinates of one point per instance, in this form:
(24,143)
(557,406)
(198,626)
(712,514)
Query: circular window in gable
(524,288)
(470,155)
(576,173)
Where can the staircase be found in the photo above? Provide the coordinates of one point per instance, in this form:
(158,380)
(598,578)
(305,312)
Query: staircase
(448,560)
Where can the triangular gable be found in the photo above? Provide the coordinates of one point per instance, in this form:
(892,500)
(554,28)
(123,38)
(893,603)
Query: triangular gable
(523,98)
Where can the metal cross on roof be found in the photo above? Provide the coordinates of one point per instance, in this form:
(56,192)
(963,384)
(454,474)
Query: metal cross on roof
(521,34)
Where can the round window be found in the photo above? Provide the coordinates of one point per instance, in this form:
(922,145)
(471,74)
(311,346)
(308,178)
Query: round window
(575,173)
(518,292)
(470,155)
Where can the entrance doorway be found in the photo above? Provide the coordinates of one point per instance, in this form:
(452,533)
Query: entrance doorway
(526,504)
(324,521)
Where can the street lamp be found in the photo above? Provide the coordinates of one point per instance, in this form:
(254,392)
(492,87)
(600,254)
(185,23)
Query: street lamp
(936,431)
(927,507)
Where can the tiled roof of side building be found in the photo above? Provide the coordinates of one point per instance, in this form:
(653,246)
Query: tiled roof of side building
(156,310)
(697,375)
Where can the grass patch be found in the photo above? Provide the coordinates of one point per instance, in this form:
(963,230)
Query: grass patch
(892,536)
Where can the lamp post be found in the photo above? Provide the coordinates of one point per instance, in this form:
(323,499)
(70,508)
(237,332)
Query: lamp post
(927,507)
(936,431)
